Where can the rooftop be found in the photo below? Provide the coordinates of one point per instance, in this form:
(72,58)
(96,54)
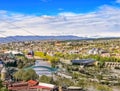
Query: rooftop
(83,61)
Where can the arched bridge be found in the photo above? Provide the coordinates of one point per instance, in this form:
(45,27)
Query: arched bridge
(45,67)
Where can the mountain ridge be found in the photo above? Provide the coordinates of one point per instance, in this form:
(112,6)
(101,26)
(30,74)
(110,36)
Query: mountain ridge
(33,38)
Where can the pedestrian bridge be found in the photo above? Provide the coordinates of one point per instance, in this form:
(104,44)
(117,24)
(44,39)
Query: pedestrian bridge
(42,67)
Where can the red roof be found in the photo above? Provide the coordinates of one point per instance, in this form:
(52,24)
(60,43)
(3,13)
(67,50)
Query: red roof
(43,87)
(32,82)
(18,88)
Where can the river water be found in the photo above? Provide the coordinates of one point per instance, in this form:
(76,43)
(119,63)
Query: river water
(42,68)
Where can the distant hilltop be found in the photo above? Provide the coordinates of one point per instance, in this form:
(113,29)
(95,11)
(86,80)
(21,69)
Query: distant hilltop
(33,38)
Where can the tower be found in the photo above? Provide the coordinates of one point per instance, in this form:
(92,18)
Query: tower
(3,73)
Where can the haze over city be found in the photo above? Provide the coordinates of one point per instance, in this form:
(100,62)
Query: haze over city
(88,18)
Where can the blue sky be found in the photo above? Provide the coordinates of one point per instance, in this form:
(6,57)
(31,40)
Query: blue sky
(88,18)
(52,7)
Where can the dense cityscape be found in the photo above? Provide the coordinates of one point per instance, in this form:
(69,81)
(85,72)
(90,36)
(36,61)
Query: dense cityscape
(59,45)
(50,65)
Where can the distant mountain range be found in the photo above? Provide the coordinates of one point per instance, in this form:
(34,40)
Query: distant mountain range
(32,38)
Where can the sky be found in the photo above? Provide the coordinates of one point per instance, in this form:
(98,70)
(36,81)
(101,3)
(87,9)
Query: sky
(84,18)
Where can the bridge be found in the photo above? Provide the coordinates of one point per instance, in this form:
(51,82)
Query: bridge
(44,67)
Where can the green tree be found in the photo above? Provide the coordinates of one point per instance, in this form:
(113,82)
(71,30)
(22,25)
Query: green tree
(1,85)
(75,75)
(26,75)
(103,88)
(45,79)
(82,83)
(18,75)
(20,64)
(2,88)
(30,74)
(64,82)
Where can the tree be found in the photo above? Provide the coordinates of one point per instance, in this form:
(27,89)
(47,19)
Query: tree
(75,75)
(30,74)
(2,88)
(45,79)
(18,75)
(99,77)
(20,64)
(103,88)
(64,82)
(26,75)
(1,85)
(82,83)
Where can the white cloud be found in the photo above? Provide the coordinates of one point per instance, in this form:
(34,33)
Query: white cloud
(103,22)
(117,1)
(67,14)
